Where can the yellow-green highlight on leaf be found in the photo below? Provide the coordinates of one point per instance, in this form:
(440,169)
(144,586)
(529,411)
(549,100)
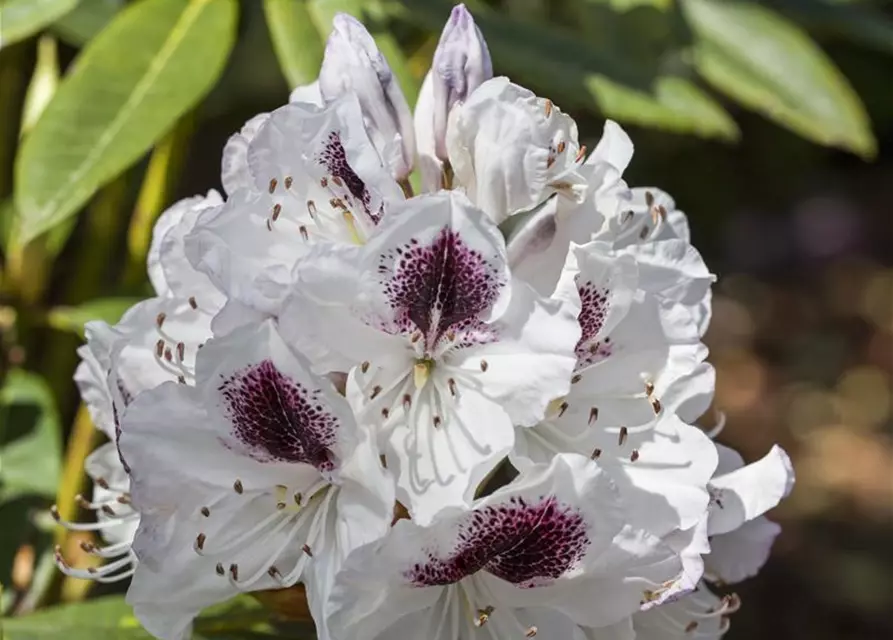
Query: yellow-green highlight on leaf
(154,62)
(73,319)
(767,63)
(43,84)
(22,18)
(298,45)
(675,104)
(79,26)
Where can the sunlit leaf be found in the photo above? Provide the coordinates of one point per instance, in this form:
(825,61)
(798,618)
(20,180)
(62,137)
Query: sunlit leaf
(153,63)
(21,18)
(73,318)
(298,45)
(80,25)
(30,437)
(767,63)
(43,84)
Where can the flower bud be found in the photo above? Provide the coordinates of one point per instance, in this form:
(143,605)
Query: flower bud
(461,64)
(353,62)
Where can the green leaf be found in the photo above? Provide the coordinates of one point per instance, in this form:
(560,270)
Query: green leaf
(152,64)
(73,319)
(22,18)
(768,64)
(296,41)
(80,25)
(44,82)
(674,104)
(112,618)
(30,437)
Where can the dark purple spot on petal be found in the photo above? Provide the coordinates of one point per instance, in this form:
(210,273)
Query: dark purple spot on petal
(334,159)
(595,305)
(278,419)
(525,544)
(441,289)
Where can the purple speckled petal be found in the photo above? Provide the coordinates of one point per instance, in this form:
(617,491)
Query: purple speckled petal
(438,267)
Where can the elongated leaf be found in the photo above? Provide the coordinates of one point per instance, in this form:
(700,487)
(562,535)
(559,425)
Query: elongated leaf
(298,46)
(30,437)
(153,63)
(74,318)
(21,18)
(79,26)
(767,63)
(43,84)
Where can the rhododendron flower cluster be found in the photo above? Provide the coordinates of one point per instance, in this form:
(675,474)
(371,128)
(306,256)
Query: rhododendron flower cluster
(466,412)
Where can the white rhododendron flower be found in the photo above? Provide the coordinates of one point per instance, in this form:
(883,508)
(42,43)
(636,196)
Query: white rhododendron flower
(461,414)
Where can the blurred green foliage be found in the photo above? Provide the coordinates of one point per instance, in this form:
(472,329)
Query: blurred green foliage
(106,105)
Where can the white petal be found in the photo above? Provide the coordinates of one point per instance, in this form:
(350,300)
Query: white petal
(740,554)
(750,491)
(430,166)
(234,172)
(307,93)
(512,150)
(700,614)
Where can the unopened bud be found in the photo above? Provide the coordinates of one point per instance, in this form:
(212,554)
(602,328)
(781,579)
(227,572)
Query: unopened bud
(461,64)
(353,62)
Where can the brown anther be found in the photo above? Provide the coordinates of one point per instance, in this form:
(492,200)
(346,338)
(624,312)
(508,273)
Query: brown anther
(306,549)
(365,366)
(337,181)
(596,454)
(484,365)
(375,391)
(634,455)
(324,182)
(181,379)
(277,209)
(337,203)
(415,337)
(581,153)
(548,106)
(655,404)
(168,355)
(219,569)
(280,506)
(234,572)
(87,546)
(561,146)
(206,512)
(407,402)
(483,615)
(531,632)
(200,541)
(385,412)
(311,208)
(237,487)
(451,383)
(288,181)
(691,626)
(644,232)
(627,216)
(662,210)
(593,414)
(82,502)
(181,351)
(303,231)
(624,432)
(273,183)
(299,498)
(273,572)
(451,336)
(269,225)
(124,498)
(91,570)
(108,510)
(550,161)
(562,408)
(102,483)
(159,319)
(436,421)
(649,199)
(577,377)
(649,388)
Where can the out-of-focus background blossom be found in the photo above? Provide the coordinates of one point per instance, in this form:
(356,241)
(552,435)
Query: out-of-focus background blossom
(800,235)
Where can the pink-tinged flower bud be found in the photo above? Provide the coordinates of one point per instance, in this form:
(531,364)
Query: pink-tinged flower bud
(353,62)
(461,64)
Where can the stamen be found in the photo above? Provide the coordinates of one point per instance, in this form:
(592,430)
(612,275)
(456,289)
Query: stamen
(234,572)
(576,378)
(484,365)
(581,153)
(159,319)
(649,388)
(237,487)
(561,146)
(277,209)
(324,182)
(303,231)
(655,404)
(385,412)
(634,455)
(159,348)
(365,366)
(596,453)
(181,351)
(593,415)
(206,512)
(311,208)
(375,391)
(451,383)
(624,432)
(407,402)
(436,421)
(548,106)
(531,632)
(483,615)
(562,408)
(273,183)
(192,302)
(288,181)
(219,569)
(306,549)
